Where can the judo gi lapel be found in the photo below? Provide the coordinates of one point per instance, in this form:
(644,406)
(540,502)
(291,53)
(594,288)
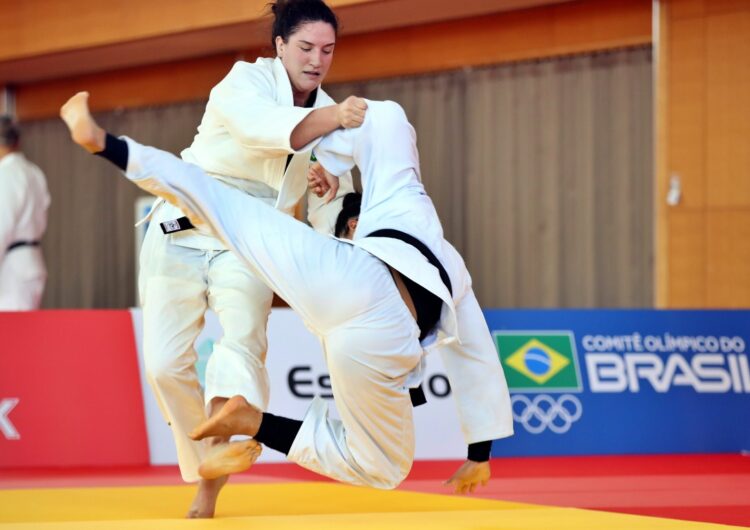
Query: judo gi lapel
(284,96)
(408,261)
(291,189)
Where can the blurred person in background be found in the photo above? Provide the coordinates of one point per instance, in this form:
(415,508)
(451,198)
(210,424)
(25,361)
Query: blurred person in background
(246,142)
(24,201)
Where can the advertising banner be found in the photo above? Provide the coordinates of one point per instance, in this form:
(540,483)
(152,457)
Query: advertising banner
(69,390)
(298,372)
(587,382)
(582,382)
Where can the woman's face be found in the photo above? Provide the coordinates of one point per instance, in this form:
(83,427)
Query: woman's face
(307,57)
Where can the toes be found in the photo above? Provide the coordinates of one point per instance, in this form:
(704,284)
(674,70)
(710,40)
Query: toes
(199,432)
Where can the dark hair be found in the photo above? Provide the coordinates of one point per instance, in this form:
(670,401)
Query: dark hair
(352,203)
(9,134)
(289,15)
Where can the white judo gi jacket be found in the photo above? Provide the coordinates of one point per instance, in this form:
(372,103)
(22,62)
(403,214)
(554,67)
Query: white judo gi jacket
(384,149)
(24,201)
(244,139)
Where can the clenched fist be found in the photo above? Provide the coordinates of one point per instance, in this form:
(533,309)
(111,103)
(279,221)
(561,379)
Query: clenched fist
(350,113)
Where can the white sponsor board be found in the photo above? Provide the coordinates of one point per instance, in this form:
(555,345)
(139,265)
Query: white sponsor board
(298,372)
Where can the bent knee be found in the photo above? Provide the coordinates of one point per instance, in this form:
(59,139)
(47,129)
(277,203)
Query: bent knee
(161,368)
(386,470)
(387,480)
(338,359)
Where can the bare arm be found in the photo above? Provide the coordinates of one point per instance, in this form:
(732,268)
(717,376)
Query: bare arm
(348,114)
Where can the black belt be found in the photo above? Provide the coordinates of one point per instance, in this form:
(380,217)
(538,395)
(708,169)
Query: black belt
(421,247)
(18,244)
(417,394)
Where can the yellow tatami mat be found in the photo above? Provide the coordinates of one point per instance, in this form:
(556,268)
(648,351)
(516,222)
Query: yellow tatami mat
(308,506)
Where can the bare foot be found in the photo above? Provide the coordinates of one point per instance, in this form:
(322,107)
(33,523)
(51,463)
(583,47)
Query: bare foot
(237,416)
(204,503)
(83,129)
(215,405)
(228,458)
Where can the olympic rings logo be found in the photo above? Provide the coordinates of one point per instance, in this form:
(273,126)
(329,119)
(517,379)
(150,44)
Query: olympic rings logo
(544,412)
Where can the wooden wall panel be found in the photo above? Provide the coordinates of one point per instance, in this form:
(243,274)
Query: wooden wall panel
(703,243)
(728,110)
(687,120)
(133,88)
(662,117)
(531,33)
(728,247)
(715,7)
(685,9)
(687,259)
(579,23)
(680,9)
(33,27)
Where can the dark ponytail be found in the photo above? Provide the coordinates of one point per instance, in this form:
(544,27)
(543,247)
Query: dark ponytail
(351,206)
(289,15)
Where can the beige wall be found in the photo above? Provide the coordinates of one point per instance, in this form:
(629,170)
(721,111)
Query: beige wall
(540,170)
(702,245)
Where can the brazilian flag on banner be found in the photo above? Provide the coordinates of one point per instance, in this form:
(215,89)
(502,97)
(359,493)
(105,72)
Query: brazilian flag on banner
(539,361)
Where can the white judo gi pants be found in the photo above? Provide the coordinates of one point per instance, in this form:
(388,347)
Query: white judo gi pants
(177,285)
(347,297)
(22,279)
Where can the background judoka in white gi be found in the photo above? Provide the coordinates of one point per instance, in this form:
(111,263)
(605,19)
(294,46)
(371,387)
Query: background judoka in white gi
(348,298)
(24,201)
(243,141)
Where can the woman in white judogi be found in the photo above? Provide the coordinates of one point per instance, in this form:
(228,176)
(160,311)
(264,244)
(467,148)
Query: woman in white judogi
(244,142)
(347,296)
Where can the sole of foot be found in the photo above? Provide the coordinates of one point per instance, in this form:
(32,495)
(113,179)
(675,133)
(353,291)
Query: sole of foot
(229,458)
